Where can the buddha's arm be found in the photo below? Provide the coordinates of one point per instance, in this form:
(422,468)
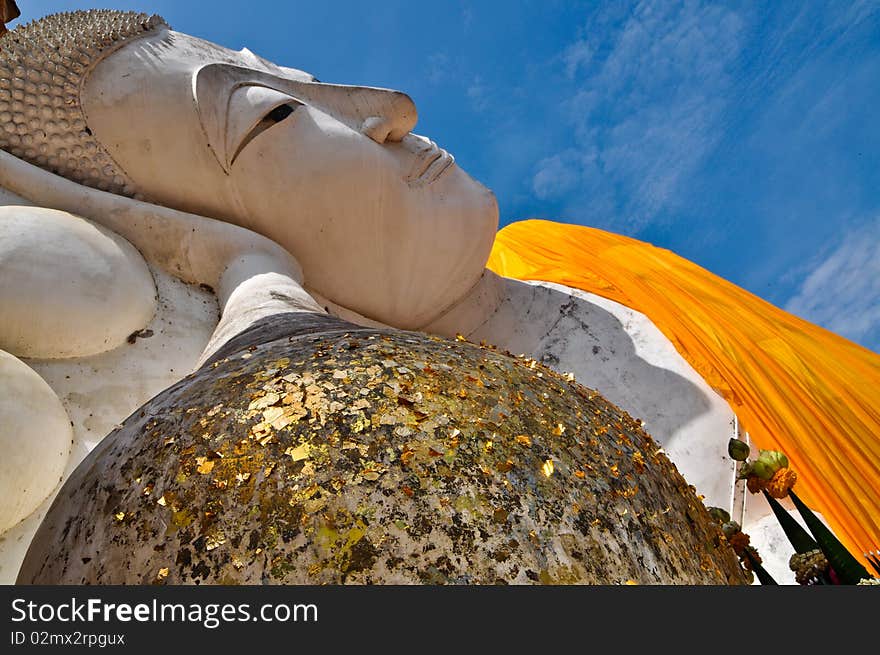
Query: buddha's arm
(252,275)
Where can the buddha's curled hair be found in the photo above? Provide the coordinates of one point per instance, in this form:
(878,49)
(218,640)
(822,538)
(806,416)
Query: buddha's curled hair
(43,66)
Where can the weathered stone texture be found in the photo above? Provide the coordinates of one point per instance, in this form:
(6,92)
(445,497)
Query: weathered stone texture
(370,456)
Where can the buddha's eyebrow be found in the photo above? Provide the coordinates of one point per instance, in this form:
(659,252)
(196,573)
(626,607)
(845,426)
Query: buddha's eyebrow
(213,86)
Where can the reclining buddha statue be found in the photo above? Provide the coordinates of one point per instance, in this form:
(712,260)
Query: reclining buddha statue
(239,310)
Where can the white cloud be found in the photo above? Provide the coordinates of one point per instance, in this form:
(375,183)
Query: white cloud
(842,291)
(577,55)
(439,68)
(646,108)
(556,175)
(478,94)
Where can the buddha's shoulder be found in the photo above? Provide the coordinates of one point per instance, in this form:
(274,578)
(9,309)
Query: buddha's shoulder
(581,321)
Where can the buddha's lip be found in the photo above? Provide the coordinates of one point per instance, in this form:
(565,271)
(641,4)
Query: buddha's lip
(430,163)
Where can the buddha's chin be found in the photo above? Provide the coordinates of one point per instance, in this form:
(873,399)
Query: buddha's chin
(460,199)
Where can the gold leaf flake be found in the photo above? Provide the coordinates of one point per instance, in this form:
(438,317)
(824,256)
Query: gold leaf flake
(314,505)
(548,468)
(162,501)
(299,453)
(162,574)
(260,430)
(119,516)
(360,423)
(215,541)
(204,465)
(265,401)
(559,430)
(638,461)
(272,413)
(524,440)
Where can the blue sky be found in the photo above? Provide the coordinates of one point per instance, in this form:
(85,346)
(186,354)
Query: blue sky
(744,136)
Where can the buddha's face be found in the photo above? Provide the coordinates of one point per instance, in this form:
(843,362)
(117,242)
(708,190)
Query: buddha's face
(382,221)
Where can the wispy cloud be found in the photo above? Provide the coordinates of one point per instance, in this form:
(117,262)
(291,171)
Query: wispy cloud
(577,55)
(648,99)
(842,290)
(477,93)
(439,68)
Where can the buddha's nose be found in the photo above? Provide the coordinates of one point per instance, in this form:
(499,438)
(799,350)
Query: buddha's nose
(381,114)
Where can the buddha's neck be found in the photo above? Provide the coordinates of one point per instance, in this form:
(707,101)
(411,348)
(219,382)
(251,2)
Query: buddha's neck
(472,310)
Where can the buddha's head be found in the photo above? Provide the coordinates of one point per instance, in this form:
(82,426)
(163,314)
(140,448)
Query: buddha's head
(382,220)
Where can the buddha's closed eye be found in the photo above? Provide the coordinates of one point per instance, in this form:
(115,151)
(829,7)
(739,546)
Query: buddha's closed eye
(253,110)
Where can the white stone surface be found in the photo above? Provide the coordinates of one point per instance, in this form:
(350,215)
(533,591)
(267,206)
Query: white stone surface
(99,392)
(68,287)
(35,440)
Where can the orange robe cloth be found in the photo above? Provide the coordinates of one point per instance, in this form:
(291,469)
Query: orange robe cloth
(794,386)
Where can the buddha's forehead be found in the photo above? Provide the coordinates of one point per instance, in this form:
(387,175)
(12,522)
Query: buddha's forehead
(167,49)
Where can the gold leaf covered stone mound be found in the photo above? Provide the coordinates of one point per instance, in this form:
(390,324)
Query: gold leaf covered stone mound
(331,453)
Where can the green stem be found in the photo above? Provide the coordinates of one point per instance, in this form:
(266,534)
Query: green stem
(800,539)
(760,571)
(847,567)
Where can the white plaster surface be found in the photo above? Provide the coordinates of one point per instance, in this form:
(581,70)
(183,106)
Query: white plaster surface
(35,440)
(70,288)
(99,392)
